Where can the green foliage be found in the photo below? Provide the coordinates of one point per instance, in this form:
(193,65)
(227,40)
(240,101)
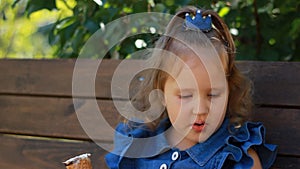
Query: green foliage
(262,29)
(272,33)
(19,36)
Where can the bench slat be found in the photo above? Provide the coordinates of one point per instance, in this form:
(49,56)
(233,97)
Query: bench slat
(32,153)
(47,116)
(281,128)
(283,162)
(276,83)
(55,117)
(48,77)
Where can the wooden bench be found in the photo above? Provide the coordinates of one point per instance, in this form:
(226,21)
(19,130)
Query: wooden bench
(39,127)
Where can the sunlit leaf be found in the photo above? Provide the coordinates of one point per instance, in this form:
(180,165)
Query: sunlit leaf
(65,23)
(224,11)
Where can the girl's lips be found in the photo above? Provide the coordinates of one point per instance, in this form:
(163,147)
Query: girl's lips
(198,126)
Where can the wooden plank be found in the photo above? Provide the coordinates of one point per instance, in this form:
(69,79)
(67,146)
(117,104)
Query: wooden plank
(55,117)
(282,128)
(284,162)
(276,83)
(54,77)
(33,153)
(49,77)
(35,76)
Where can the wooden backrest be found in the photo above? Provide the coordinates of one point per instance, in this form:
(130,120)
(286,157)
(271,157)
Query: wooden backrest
(39,127)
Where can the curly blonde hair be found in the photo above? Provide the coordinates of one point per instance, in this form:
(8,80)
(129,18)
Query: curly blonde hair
(239,99)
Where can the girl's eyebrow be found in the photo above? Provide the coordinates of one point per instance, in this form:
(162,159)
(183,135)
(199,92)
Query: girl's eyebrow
(216,88)
(192,89)
(185,89)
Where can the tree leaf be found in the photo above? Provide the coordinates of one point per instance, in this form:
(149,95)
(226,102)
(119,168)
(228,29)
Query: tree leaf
(224,11)
(35,5)
(91,26)
(295,30)
(15,3)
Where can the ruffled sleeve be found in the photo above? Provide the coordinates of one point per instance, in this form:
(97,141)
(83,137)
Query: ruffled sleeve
(250,135)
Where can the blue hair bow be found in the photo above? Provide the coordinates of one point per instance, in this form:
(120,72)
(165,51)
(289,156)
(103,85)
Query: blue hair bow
(198,22)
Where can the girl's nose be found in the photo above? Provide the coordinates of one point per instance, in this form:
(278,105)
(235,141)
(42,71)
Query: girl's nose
(201,106)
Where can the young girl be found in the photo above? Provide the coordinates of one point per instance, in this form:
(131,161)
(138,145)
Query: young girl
(206,100)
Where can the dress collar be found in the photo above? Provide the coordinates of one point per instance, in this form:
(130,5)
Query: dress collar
(202,152)
(130,145)
(144,143)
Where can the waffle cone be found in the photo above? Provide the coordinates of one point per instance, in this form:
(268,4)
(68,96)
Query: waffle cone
(79,162)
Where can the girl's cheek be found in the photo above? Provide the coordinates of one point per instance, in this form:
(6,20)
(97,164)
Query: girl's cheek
(187,106)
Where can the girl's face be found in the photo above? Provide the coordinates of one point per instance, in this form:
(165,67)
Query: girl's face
(196,101)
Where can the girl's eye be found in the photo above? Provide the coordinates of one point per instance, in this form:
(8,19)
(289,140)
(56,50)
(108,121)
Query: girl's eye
(185,96)
(212,95)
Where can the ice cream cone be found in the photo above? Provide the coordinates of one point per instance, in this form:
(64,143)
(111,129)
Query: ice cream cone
(79,162)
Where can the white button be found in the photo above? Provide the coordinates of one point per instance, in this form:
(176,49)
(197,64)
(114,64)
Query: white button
(163,166)
(175,156)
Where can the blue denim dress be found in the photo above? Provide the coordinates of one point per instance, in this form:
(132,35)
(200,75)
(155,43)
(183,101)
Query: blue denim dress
(223,149)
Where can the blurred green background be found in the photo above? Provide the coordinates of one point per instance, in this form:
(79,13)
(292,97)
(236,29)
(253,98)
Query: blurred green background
(263,29)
